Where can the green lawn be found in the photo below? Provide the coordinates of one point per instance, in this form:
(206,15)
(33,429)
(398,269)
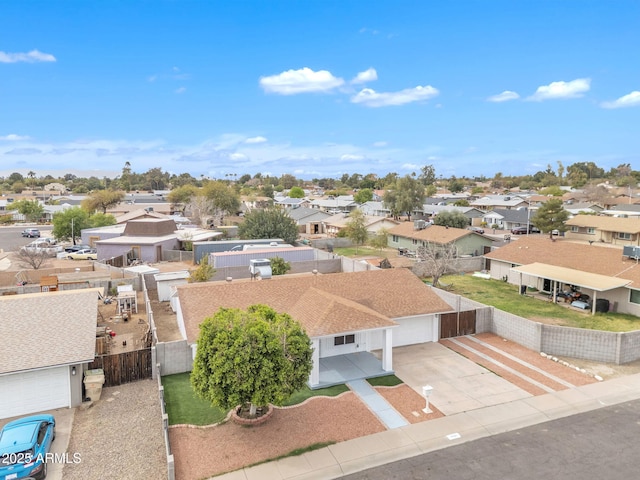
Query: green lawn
(363,250)
(386,381)
(183,406)
(505,296)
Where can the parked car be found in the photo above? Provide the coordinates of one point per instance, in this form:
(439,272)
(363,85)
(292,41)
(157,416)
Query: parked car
(24,445)
(31,232)
(523,230)
(83,254)
(41,246)
(75,248)
(476,229)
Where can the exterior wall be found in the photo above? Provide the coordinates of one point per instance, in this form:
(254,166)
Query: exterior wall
(328,349)
(242,259)
(469,245)
(164,288)
(174,357)
(201,249)
(75,384)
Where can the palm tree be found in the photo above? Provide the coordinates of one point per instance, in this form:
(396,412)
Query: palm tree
(32,176)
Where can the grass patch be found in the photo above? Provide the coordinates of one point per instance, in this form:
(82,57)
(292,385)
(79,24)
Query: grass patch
(183,406)
(386,381)
(301,395)
(363,250)
(505,296)
(294,453)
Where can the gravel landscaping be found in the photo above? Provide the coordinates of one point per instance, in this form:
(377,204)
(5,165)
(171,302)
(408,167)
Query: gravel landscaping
(120,436)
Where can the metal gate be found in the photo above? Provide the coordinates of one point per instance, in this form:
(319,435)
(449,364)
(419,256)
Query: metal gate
(457,324)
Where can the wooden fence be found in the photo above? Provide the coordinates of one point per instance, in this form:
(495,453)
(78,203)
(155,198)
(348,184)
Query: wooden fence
(124,367)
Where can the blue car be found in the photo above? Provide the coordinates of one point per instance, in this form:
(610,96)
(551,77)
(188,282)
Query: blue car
(24,445)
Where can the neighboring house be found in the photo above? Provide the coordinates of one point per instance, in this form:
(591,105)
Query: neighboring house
(429,211)
(51,210)
(139,214)
(508,219)
(628,210)
(286,202)
(409,236)
(600,228)
(339,222)
(129,206)
(375,208)
(575,208)
(599,271)
(343,313)
(309,220)
(146,239)
(46,340)
(55,187)
(74,200)
(341,203)
(506,202)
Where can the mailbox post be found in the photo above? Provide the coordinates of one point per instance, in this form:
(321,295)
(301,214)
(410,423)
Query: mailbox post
(426,391)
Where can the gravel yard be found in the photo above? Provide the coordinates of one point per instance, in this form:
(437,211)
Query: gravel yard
(120,436)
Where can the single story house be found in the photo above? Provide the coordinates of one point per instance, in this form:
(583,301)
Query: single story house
(343,313)
(373,224)
(375,208)
(491,202)
(409,236)
(600,228)
(508,219)
(341,203)
(430,211)
(46,341)
(309,220)
(549,265)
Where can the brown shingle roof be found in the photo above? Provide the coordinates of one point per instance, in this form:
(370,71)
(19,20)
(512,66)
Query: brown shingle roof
(588,258)
(433,233)
(40,330)
(608,224)
(323,304)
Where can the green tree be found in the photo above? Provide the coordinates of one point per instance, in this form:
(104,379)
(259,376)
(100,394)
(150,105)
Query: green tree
(101,200)
(553,190)
(551,216)
(68,224)
(181,196)
(296,192)
(31,209)
(364,195)
(102,220)
(204,271)
(279,266)
(380,240)
(356,228)
(254,357)
(463,202)
(406,195)
(427,175)
(223,197)
(451,218)
(268,223)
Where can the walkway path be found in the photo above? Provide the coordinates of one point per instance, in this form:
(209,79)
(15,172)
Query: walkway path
(388,415)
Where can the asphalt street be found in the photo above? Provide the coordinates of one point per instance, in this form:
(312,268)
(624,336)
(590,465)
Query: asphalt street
(600,444)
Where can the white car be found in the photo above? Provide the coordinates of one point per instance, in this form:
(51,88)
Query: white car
(83,254)
(41,246)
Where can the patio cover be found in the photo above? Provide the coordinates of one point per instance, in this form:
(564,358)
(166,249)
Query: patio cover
(569,276)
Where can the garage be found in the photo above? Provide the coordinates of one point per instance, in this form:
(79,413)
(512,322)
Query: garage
(34,391)
(414,330)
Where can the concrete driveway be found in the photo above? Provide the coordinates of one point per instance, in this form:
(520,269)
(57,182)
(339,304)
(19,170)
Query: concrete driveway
(64,423)
(459,385)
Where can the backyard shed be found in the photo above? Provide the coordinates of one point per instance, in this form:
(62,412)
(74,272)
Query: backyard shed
(167,281)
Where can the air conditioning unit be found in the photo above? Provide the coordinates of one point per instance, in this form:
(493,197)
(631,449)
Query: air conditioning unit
(631,252)
(260,267)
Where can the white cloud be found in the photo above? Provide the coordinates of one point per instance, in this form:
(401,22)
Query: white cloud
(411,166)
(351,157)
(503,97)
(12,137)
(371,98)
(368,75)
(630,100)
(555,90)
(33,56)
(303,80)
(380,144)
(254,140)
(181,90)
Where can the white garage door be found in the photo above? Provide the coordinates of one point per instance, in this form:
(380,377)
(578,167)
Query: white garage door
(413,330)
(29,392)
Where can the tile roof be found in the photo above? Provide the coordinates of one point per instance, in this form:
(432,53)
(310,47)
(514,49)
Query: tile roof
(323,304)
(602,260)
(609,224)
(40,330)
(433,233)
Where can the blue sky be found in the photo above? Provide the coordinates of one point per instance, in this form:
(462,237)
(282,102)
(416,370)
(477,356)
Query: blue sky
(318,88)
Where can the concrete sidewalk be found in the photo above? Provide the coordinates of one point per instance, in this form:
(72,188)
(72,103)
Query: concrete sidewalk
(411,440)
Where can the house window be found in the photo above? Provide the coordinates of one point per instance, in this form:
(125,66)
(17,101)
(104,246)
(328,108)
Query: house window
(344,339)
(634,296)
(574,229)
(415,242)
(624,236)
(394,238)
(591,230)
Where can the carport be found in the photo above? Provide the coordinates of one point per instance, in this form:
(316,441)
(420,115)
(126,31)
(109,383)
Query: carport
(592,281)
